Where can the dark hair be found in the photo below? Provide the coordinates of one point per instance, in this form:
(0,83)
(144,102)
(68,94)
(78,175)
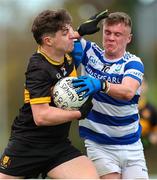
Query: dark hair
(49,21)
(118,17)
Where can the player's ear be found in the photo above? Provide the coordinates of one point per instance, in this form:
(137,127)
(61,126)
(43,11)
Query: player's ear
(48,40)
(130,38)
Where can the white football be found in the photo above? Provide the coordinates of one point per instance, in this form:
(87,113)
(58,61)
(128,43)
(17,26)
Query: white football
(65,96)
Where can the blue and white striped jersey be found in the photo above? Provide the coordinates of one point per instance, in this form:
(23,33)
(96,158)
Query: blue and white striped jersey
(111,121)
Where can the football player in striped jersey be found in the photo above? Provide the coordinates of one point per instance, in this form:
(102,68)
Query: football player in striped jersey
(113,76)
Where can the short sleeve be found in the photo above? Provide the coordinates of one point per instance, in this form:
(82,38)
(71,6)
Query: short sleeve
(134,69)
(38,85)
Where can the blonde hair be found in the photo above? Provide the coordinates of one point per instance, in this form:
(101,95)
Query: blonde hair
(118,17)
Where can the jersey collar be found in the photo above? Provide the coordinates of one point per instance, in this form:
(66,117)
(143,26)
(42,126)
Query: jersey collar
(48,58)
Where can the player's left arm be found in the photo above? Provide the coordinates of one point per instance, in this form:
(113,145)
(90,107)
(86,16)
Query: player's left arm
(126,90)
(132,79)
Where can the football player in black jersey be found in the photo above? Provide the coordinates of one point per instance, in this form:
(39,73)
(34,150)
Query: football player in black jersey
(39,141)
(148,118)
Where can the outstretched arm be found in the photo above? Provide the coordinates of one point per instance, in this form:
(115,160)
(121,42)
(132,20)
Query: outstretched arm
(124,91)
(91,25)
(88,27)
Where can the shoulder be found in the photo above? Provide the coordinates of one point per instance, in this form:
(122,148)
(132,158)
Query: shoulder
(128,57)
(90,45)
(38,67)
(36,61)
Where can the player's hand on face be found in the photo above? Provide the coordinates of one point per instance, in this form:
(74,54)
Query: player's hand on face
(87,85)
(90,26)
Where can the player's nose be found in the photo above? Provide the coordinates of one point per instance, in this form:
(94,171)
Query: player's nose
(71,33)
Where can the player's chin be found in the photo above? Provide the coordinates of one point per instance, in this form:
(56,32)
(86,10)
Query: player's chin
(70,49)
(110,50)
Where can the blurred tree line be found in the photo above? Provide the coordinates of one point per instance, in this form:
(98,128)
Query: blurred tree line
(19,45)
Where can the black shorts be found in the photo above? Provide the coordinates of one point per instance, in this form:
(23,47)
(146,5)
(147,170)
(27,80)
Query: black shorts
(29,160)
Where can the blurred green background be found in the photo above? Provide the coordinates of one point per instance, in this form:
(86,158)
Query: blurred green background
(17,45)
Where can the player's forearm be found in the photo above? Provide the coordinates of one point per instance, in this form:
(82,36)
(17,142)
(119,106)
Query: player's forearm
(58,116)
(120,91)
(51,116)
(124,91)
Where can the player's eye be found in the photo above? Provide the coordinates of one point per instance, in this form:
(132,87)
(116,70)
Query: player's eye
(107,32)
(118,34)
(65,32)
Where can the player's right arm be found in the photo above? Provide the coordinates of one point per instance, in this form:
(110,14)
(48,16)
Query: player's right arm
(86,28)
(45,115)
(91,25)
(38,88)
(77,53)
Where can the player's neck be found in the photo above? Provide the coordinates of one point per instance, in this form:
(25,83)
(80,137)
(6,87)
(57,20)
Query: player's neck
(112,56)
(53,54)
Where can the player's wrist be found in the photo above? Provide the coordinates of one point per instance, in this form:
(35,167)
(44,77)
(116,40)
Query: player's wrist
(106,86)
(76,35)
(79,114)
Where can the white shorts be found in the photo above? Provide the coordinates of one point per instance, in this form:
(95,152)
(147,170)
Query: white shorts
(127,160)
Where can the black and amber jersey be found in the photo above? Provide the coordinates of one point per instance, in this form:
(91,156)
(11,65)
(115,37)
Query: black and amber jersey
(41,75)
(148,117)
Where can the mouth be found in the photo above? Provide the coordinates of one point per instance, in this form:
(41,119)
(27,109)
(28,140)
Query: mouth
(109,46)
